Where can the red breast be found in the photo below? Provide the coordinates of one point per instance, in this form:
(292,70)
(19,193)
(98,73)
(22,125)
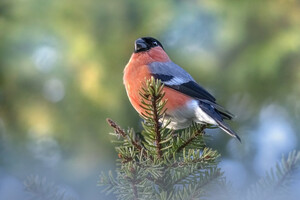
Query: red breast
(137,71)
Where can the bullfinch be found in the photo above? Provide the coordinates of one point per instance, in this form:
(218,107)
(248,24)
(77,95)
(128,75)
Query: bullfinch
(187,101)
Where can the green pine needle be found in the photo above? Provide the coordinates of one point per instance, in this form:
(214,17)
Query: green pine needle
(159,163)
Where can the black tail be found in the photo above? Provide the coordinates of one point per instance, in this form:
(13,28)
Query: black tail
(228,130)
(222,111)
(218,113)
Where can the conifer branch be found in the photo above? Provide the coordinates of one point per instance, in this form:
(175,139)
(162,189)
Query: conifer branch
(121,132)
(42,189)
(116,127)
(197,192)
(286,168)
(154,102)
(194,136)
(157,136)
(155,165)
(276,181)
(135,193)
(133,184)
(158,164)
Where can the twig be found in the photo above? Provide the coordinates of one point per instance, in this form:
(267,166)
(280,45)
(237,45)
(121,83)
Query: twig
(157,125)
(116,127)
(205,183)
(135,192)
(121,132)
(134,181)
(197,133)
(126,159)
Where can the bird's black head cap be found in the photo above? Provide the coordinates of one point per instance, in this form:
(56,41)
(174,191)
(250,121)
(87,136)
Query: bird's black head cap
(146,43)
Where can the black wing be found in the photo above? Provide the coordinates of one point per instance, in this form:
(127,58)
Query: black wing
(173,76)
(190,88)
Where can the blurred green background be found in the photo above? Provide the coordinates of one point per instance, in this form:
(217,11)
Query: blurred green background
(61,68)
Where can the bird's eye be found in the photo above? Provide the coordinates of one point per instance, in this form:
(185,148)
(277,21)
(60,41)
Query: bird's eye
(154,43)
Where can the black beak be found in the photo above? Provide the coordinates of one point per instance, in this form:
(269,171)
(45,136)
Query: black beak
(140,45)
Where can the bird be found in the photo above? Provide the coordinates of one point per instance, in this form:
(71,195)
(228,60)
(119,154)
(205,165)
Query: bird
(187,101)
